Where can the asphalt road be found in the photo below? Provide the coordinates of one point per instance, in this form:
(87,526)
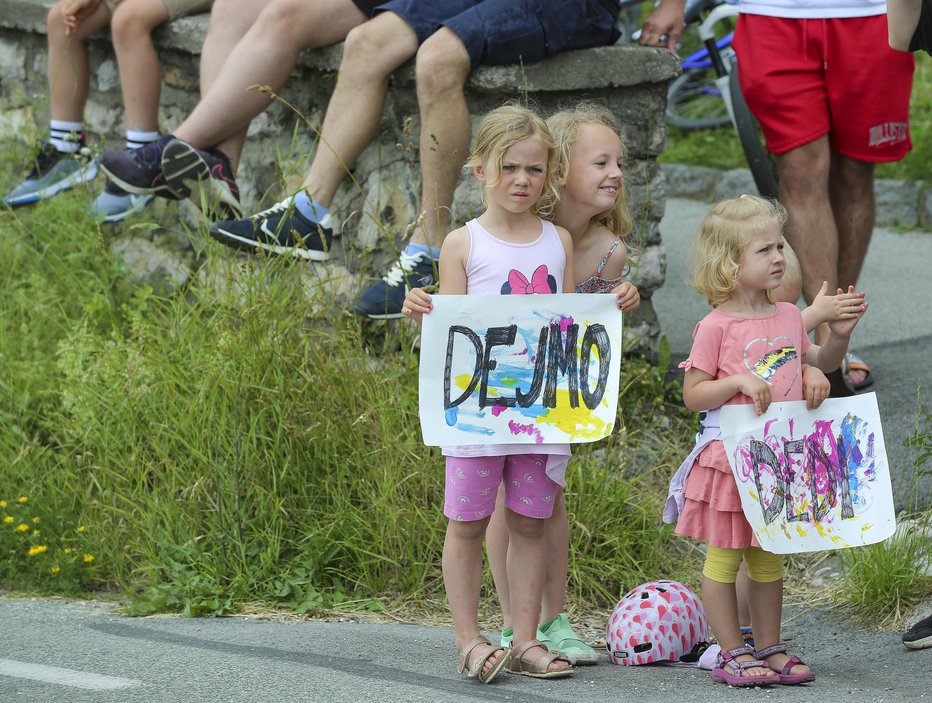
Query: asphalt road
(894,336)
(58,652)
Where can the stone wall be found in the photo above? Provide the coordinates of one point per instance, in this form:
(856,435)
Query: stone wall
(376,205)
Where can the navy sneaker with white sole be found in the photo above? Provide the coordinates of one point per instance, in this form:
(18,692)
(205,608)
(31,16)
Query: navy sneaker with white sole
(280,230)
(919,636)
(384,299)
(204,176)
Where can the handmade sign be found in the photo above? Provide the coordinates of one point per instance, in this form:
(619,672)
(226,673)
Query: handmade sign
(811,480)
(519,369)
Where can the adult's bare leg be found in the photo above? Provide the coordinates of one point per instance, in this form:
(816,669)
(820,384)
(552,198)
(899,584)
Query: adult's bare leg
(851,188)
(810,227)
(264,54)
(372,51)
(442,67)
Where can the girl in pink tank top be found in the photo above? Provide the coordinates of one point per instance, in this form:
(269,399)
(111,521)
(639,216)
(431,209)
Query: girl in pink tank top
(509,250)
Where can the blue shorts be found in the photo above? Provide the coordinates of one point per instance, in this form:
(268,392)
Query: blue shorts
(511,31)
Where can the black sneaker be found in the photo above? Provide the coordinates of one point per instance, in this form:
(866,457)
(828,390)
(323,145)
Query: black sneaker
(383,299)
(139,170)
(203,176)
(919,635)
(281,229)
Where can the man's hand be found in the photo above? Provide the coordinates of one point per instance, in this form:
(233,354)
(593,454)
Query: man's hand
(664,25)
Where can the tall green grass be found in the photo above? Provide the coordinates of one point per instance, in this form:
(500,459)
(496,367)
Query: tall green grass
(225,446)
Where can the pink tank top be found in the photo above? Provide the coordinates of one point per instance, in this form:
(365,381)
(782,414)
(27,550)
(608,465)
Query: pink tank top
(497,267)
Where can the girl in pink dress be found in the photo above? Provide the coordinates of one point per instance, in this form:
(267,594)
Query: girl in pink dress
(747,350)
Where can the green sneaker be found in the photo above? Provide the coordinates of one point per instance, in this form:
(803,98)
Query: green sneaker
(559,636)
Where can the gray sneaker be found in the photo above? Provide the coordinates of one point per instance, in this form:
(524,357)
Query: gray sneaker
(53,172)
(115,204)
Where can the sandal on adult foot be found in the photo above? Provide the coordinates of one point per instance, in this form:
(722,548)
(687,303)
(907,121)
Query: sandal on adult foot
(539,667)
(852,362)
(737,675)
(475,671)
(784,676)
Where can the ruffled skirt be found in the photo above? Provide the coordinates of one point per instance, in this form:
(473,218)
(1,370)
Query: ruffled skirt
(712,509)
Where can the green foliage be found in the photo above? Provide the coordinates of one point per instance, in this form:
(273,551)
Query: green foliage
(226,446)
(720,148)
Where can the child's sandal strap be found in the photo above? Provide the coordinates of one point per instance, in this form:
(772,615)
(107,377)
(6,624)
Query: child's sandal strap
(779,648)
(738,652)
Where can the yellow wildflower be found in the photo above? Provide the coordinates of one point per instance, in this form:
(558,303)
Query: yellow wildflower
(22,499)
(81,528)
(8,519)
(35,520)
(2,503)
(88,558)
(35,532)
(55,569)
(67,550)
(33,551)
(22,527)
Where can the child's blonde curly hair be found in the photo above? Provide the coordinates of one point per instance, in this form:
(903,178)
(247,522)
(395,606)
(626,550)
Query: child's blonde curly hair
(564,126)
(722,237)
(504,127)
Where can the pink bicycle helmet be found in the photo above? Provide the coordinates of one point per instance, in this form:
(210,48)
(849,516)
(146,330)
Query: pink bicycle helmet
(657,621)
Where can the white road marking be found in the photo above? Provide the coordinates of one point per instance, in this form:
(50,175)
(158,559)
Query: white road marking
(64,677)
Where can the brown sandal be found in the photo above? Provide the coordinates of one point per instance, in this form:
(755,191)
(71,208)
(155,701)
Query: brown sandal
(475,671)
(538,668)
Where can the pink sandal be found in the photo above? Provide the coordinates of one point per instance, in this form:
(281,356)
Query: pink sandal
(784,677)
(737,677)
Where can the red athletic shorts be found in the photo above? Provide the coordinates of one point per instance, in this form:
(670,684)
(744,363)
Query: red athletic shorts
(804,78)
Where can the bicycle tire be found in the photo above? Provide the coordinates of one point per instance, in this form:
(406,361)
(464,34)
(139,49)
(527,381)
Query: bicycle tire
(752,143)
(694,102)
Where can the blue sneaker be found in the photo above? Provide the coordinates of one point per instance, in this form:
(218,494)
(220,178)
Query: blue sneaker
(280,230)
(53,172)
(383,299)
(115,204)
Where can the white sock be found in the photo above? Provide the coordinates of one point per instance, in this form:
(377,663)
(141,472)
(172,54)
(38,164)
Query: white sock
(67,137)
(136,139)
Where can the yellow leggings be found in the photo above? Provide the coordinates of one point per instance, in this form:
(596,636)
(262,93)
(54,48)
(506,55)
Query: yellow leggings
(721,564)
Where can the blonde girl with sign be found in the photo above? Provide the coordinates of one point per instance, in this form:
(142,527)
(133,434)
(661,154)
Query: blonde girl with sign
(508,249)
(593,208)
(747,350)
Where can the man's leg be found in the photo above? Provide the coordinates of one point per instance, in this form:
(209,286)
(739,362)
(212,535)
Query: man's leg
(810,227)
(230,20)
(371,53)
(264,55)
(300,226)
(851,189)
(442,68)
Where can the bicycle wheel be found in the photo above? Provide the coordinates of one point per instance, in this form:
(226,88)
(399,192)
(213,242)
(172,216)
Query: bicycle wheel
(752,142)
(694,102)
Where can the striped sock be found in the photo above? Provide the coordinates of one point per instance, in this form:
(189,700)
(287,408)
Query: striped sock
(135,139)
(67,137)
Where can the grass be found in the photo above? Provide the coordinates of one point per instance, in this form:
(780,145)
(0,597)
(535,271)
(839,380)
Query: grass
(720,148)
(224,448)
